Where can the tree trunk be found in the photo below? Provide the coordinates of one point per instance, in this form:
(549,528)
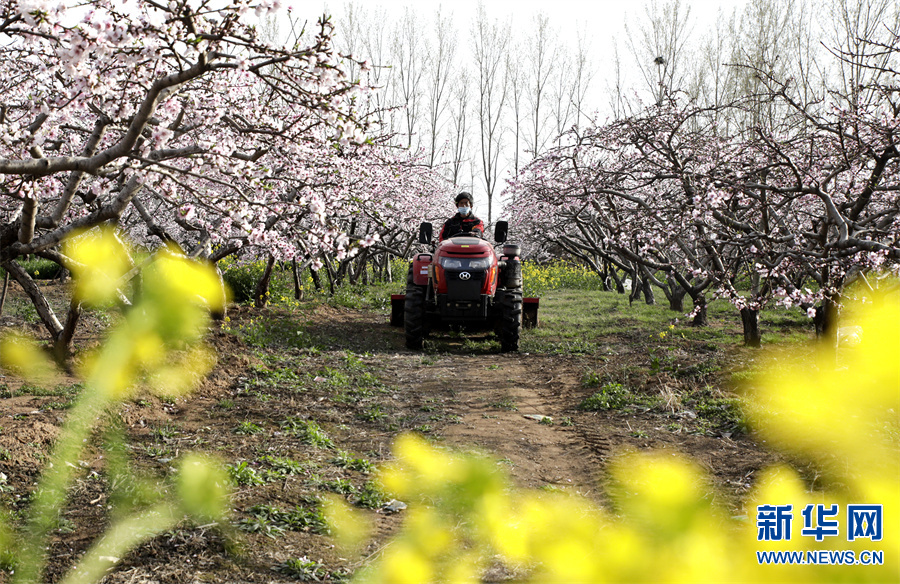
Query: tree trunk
(635,287)
(298,284)
(620,287)
(700,318)
(317,282)
(215,314)
(261,293)
(825,320)
(605,279)
(48,317)
(750,320)
(62,346)
(331,277)
(337,276)
(358,270)
(5,288)
(676,298)
(647,288)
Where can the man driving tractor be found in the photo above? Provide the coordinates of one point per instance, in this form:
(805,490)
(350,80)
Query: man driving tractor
(464,221)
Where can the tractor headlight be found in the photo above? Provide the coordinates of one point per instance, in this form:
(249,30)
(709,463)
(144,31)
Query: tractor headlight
(465,263)
(452,264)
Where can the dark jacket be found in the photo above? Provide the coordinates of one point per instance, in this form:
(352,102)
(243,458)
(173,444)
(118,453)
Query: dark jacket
(458,224)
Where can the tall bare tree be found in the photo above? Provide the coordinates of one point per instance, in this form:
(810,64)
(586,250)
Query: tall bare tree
(860,27)
(762,44)
(376,50)
(659,47)
(459,126)
(582,75)
(541,57)
(409,54)
(562,108)
(712,81)
(441,62)
(615,85)
(516,79)
(490,42)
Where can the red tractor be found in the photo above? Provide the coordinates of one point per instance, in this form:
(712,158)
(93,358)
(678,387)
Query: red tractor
(466,285)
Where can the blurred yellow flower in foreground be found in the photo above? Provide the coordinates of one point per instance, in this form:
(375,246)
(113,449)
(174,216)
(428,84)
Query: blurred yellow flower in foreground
(98,260)
(155,344)
(464,515)
(20,354)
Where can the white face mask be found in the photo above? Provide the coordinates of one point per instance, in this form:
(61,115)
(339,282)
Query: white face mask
(463,210)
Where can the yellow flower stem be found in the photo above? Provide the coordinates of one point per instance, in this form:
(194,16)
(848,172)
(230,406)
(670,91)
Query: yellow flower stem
(119,539)
(50,494)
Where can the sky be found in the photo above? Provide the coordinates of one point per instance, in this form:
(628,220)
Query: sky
(600,23)
(599,20)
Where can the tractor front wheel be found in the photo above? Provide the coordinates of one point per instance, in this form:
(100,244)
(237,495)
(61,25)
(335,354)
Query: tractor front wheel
(414,316)
(510,320)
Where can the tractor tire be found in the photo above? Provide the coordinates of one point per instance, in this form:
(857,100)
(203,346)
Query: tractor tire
(414,316)
(510,320)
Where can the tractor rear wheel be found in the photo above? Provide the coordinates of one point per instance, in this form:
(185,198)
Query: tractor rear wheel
(414,315)
(510,319)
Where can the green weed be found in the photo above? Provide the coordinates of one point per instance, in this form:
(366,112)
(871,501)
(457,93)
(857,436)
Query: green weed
(249,428)
(245,475)
(370,496)
(345,460)
(296,519)
(719,411)
(373,413)
(592,379)
(339,486)
(303,569)
(612,396)
(308,431)
(165,432)
(283,466)
(506,403)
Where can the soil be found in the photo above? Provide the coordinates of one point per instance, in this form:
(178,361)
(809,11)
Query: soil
(348,371)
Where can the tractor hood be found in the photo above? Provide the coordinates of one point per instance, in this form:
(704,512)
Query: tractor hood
(469,246)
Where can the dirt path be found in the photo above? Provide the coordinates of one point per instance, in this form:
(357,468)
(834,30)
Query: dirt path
(497,400)
(509,406)
(348,372)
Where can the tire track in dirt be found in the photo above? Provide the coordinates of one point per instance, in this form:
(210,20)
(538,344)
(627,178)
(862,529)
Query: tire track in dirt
(490,395)
(493,394)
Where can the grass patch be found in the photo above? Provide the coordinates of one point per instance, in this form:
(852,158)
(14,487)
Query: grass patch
(248,428)
(245,475)
(345,460)
(308,431)
(506,403)
(165,432)
(303,569)
(370,496)
(40,268)
(282,466)
(70,390)
(271,519)
(612,396)
(616,396)
(270,332)
(719,412)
